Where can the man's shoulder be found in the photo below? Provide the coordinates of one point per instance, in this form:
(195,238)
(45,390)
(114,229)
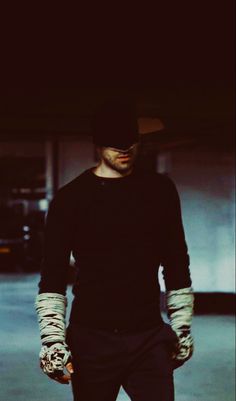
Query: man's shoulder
(157,179)
(73,188)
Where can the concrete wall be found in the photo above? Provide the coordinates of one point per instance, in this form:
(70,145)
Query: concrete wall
(74,158)
(205,180)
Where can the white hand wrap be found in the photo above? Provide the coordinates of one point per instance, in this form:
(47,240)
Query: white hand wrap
(54,358)
(180,311)
(51,311)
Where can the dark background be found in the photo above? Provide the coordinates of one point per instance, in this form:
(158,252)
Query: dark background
(177,57)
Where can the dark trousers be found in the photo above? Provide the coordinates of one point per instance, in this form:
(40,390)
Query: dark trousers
(104,360)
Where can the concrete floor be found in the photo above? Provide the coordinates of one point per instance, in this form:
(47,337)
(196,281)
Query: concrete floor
(209,376)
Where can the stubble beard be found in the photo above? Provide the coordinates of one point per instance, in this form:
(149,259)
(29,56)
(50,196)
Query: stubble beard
(119,166)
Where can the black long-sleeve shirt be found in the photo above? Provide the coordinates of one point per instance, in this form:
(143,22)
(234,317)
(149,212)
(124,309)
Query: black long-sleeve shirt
(120,231)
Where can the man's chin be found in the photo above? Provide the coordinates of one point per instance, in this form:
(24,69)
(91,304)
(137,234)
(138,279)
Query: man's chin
(124,167)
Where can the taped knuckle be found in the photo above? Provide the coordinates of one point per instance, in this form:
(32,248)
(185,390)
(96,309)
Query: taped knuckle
(53,359)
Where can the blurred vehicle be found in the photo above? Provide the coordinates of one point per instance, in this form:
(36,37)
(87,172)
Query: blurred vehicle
(20,240)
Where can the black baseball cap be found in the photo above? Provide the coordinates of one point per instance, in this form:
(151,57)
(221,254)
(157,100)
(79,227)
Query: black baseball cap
(115,125)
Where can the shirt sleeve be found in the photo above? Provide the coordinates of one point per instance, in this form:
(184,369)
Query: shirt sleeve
(175,257)
(57,248)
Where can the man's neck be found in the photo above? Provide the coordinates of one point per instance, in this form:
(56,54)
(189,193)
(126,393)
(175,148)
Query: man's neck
(102,170)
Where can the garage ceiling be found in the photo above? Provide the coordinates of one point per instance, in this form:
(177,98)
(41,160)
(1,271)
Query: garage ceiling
(67,112)
(177,63)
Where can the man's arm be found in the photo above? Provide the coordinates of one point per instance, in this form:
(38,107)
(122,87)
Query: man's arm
(57,247)
(51,301)
(175,258)
(175,262)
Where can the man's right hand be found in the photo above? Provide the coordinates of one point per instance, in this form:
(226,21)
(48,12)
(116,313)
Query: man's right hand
(53,359)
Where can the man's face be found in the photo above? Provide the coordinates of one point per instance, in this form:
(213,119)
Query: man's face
(118,159)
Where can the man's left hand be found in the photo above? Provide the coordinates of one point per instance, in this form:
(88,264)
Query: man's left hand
(184,349)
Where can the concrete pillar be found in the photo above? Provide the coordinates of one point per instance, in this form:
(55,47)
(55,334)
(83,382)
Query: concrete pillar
(51,152)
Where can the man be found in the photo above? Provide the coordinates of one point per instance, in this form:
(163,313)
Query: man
(121,225)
